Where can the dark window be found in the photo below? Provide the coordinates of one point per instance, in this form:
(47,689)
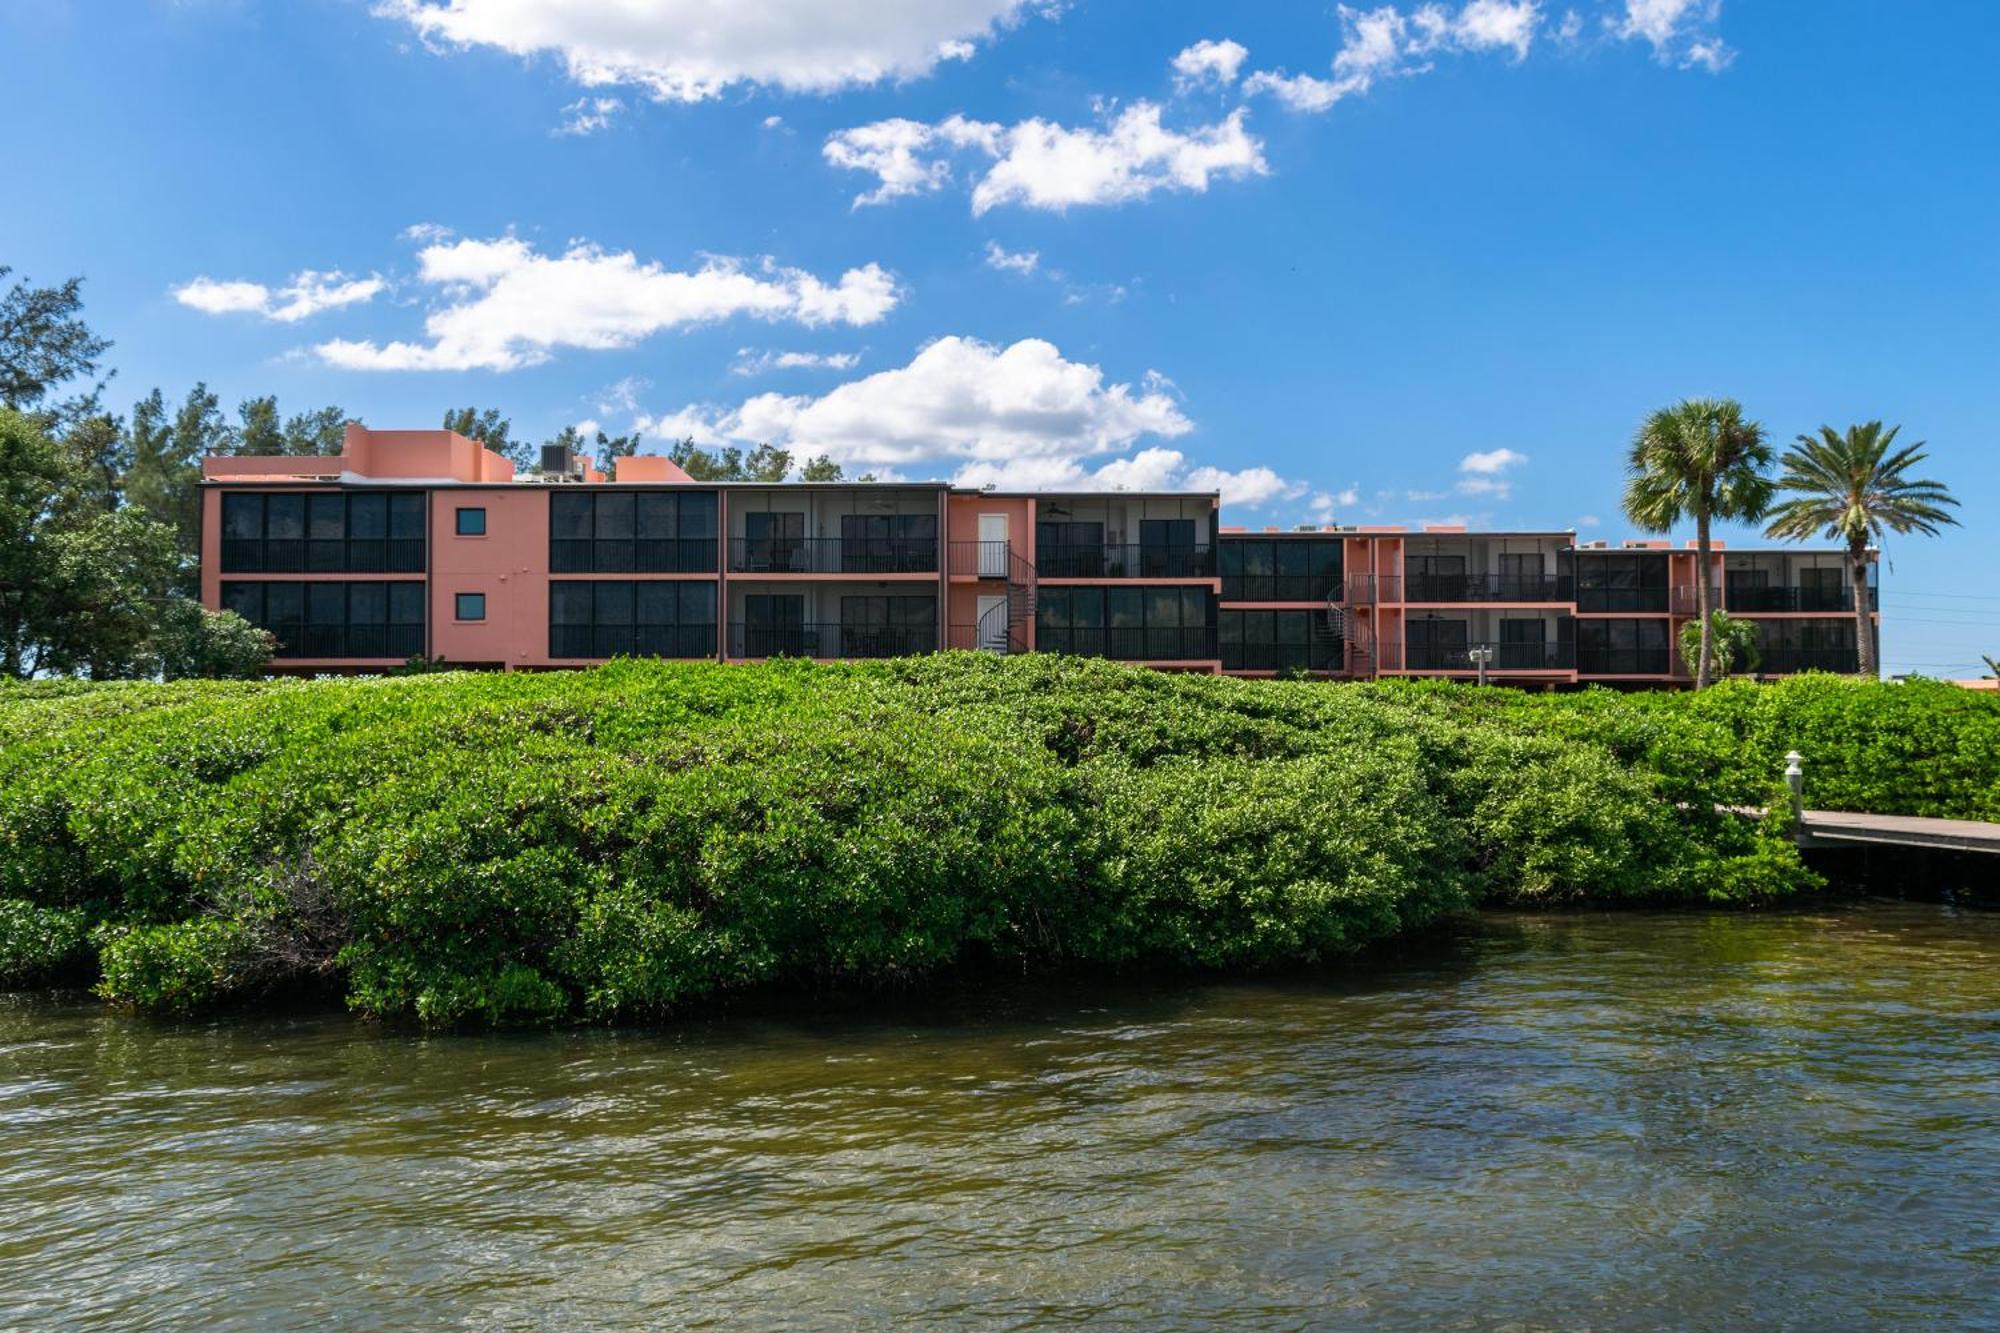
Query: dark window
(888,543)
(631,618)
(471,523)
(324,532)
(884,626)
(1622,648)
(333,619)
(1278,641)
(470,606)
(1621,582)
(631,532)
(1131,624)
(775,543)
(774,625)
(1289,570)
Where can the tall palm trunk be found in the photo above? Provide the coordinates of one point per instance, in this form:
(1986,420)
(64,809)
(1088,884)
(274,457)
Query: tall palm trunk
(1864,623)
(1703,599)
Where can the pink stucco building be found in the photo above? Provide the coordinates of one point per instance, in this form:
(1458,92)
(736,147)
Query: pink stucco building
(423,543)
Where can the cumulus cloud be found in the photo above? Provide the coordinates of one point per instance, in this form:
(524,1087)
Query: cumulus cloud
(1040,164)
(692,50)
(1023,413)
(505,305)
(1385,42)
(750,361)
(1209,63)
(307,294)
(1681,32)
(1491,461)
(587,115)
(1007,261)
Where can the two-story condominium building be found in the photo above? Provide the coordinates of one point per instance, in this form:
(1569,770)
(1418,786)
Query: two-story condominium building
(423,543)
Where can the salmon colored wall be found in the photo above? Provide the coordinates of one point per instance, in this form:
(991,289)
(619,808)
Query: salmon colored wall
(510,564)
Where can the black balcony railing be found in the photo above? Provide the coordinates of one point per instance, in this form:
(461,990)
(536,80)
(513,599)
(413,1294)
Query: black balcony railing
(833,555)
(1188,643)
(1505,656)
(352,641)
(587,641)
(357,555)
(1624,661)
(987,560)
(831,640)
(1101,561)
(1755,599)
(1630,600)
(1366,589)
(645,555)
(1280,587)
(1316,655)
(1487,588)
(1786,661)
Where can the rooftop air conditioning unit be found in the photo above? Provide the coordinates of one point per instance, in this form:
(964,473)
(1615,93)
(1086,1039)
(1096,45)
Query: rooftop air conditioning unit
(560,464)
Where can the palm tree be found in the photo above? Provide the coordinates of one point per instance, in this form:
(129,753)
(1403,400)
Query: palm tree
(1853,488)
(1700,459)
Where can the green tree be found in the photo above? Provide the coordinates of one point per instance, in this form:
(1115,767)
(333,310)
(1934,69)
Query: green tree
(611,448)
(164,481)
(1732,645)
(316,434)
(1992,665)
(1700,459)
(825,469)
(32,481)
(260,432)
(490,429)
(100,454)
(193,642)
(110,577)
(1854,488)
(44,342)
(766,463)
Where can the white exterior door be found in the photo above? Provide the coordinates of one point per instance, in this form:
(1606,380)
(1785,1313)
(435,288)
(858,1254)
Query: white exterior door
(992,632)
(992,546)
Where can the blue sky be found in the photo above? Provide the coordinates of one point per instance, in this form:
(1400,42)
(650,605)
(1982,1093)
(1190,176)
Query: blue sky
(1383,264)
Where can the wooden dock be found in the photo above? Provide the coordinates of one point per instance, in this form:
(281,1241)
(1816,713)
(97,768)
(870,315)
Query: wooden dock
(1836,828)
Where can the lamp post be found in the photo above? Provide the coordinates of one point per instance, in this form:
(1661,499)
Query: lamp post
(1795,780)
(1480,656)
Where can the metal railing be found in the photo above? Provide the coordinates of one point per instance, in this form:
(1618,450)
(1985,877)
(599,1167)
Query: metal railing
(1099,560)
(1487,588)
(353,641)
(626,555)
(1281,587)
(1366,589)
(1624,661)
(984,560)
(1636,600)
(348,555)
(1783,661)
(820,640)
(1166,644)
(594,641)
(1505,656)
(1318,655)
(1756,599)
(833,555)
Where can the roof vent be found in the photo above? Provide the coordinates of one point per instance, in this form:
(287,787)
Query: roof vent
(559,463)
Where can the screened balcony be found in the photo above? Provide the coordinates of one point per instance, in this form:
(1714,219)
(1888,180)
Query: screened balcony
(1137,537)
(872,530)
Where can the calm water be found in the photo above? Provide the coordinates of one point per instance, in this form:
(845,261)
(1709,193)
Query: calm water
(1574,1121)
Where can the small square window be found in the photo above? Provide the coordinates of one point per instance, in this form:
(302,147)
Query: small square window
(472,522)
(471,605)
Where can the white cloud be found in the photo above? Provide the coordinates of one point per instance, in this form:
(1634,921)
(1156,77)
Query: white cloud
(1385,42)
(1022,415)
(1680,32)
(691,50)
(507,306)
(750,361)
(1489,486)
(622,396)
(1571,28)
(308,293)
(1323,503)
(1589,521)
(1209,62)
(1040,164)
(1491,461)
(1008,261)
(587,115)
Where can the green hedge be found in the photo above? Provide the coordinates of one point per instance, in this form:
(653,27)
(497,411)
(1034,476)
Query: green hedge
(624,841)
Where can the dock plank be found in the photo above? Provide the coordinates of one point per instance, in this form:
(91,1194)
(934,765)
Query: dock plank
(1838,828)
